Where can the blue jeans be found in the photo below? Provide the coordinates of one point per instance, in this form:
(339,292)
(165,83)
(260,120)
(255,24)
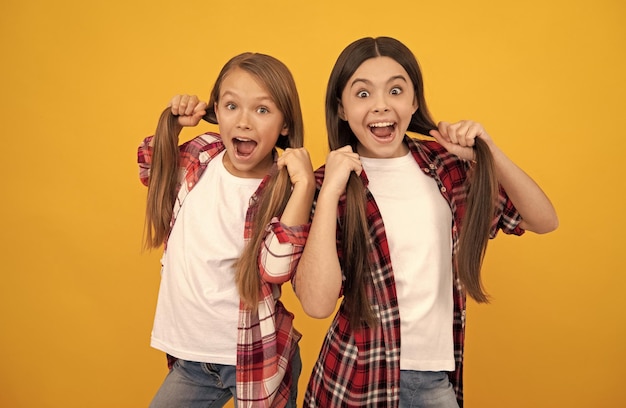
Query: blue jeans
(204,385)
(426,389)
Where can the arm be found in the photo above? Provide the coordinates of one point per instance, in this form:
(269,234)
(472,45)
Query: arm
(283,245)
(318,277)
(538,213)
(298,164)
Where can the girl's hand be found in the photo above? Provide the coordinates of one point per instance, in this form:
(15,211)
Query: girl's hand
(188,108)
(298,165)
(339,164)
(458,138)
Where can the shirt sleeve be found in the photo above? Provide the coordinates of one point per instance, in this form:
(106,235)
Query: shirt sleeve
(508,218)
(281,251)
(144,159)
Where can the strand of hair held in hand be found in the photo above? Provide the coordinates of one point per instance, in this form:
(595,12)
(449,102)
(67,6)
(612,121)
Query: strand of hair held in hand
(476,224)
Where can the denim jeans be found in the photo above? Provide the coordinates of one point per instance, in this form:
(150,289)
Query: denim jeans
(426,389)
(205,385)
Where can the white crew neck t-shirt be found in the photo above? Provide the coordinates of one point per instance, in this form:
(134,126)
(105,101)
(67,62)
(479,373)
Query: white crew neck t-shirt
(417,222)
(198,304)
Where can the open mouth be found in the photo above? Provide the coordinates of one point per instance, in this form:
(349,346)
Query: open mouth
(244,147)
(382,130)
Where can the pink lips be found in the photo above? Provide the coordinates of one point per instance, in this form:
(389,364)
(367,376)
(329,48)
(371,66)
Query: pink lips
(382,130)
(244,147)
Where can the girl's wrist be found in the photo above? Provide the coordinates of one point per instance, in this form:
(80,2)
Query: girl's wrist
(330,195)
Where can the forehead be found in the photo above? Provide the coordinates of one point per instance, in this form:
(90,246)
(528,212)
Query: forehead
(241,83)
(378,69)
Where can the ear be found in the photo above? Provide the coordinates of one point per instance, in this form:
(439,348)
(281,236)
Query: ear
(340,112)
(285,130)
(217,115)
(415,105)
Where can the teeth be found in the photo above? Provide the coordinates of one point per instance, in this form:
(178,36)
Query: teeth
(241,139)
(381,124)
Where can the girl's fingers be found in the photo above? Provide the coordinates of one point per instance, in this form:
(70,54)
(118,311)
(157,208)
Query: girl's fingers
(186,105)
(442,129)
(188,108)
(174,102)
(298,164)
(461,133)
(460,137)
(199,110)
(200,106)
(345,159)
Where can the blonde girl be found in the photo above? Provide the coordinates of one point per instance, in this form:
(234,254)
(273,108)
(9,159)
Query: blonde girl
(218,318)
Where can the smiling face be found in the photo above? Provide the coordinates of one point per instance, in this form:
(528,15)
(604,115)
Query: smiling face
(378,102)
(250,124)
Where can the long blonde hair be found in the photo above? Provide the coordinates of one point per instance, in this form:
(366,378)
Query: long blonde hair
(164,173)
(482,184)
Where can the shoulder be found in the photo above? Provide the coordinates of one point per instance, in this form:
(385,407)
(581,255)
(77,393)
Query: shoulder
(209,142)
(206,139)
(434,154)
(429,146)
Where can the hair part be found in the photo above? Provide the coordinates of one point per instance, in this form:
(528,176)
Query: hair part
(163,185)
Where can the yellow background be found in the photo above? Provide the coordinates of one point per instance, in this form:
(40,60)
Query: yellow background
(83,82)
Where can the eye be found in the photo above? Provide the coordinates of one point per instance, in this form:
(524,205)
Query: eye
(362,94)
(396,90)
(230,106)
(262,110)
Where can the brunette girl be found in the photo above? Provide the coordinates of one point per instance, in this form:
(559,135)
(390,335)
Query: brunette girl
(400,226)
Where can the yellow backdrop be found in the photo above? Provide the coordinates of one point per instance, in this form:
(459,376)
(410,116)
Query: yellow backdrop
(83,82)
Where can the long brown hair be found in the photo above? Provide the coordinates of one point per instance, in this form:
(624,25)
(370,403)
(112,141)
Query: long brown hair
(355,233)
(163,184)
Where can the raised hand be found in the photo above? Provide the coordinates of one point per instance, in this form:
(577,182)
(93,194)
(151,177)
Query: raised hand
(339,164)
(458,138)
(298,164)
(188,108)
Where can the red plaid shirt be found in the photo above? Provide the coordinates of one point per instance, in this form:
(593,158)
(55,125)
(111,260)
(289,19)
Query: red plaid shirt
(267,339)
(362,369)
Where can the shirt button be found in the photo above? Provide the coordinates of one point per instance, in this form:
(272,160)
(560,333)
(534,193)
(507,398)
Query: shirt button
(253,200)
(432,166)
(443,189)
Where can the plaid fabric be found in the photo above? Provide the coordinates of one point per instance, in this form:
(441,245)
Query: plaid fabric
(283,270)
(362,369)
(266,340)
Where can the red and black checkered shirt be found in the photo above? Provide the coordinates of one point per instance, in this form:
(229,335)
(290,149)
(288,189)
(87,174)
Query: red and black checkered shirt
(362,368)
(266,340)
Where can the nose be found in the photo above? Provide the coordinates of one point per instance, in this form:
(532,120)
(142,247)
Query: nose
(380,104)
(243,120)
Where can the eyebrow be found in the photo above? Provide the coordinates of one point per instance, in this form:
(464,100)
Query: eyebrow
(368,82)
(263,98)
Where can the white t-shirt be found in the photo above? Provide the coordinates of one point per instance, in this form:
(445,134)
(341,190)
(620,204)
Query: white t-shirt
(197,309)
(417,222)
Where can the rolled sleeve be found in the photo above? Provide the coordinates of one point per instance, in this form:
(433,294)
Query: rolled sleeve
(509,218)
(144,160)
(281,251)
